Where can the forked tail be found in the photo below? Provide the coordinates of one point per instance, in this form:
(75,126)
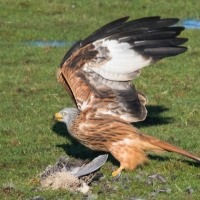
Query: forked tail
(152,144)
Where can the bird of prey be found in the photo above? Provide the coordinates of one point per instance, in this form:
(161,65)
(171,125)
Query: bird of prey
(72,176)
(97,72)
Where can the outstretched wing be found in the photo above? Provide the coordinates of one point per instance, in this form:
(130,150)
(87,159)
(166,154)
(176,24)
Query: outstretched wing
(98,70)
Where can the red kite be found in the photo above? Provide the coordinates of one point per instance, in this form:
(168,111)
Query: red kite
(97,72)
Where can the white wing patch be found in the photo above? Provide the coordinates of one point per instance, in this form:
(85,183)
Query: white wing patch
(124,63)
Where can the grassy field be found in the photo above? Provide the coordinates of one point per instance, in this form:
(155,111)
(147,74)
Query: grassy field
(30,95)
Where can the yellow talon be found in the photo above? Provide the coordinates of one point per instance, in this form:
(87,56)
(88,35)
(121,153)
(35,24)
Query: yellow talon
(117,172)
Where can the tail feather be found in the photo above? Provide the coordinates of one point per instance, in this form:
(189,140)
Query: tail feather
(156,144)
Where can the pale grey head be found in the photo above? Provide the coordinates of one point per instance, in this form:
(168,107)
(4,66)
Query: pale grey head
(67,115)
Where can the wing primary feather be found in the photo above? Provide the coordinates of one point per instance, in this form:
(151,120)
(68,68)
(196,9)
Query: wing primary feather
(135,24)
(164,51)
(158,35)
(158,43)
(163,23)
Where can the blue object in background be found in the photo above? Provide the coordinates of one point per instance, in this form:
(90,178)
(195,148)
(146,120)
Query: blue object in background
(49,43)
(191,24)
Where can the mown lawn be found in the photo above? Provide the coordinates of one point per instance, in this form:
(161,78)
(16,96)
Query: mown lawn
(30,139)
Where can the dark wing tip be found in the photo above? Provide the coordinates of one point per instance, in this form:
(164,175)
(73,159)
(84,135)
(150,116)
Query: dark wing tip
(102,32)
(144,28)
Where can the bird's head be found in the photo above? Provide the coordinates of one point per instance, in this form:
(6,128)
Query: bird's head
(66,115)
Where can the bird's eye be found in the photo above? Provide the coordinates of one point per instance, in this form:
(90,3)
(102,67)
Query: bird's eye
(64,113)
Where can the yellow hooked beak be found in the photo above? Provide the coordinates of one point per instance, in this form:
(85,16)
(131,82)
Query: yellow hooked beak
(58,116)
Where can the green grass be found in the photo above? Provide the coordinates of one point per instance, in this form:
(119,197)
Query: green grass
(30,95)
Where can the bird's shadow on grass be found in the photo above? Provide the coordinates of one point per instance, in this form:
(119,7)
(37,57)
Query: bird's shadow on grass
(154,117)
(192,163)
(165,158)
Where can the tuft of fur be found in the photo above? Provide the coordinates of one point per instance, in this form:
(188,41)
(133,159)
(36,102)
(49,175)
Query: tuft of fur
(73,176)
(64,180)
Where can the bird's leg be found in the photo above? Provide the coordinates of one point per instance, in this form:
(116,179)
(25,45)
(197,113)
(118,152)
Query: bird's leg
(117,172)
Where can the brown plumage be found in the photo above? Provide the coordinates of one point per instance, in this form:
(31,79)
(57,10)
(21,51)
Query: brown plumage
(97,73)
